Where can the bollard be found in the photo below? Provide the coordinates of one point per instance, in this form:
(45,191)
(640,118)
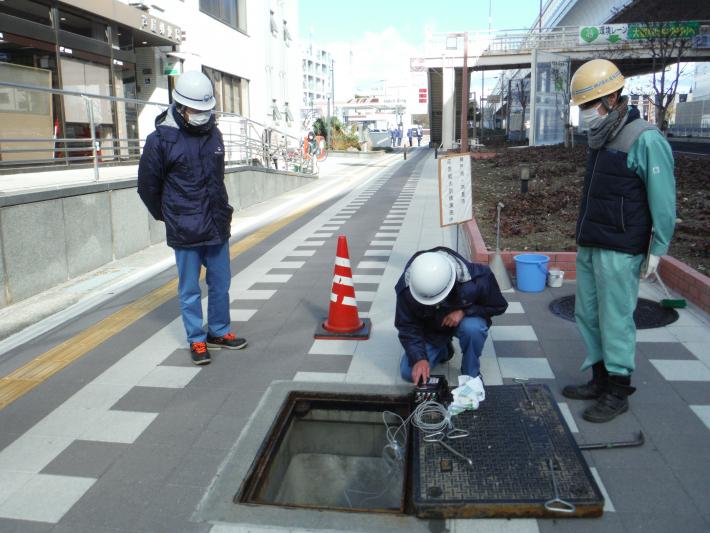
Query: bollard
(524,177)
(436,153)
(405,153)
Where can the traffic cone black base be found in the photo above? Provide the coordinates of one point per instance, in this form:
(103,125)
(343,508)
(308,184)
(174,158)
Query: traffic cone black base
(361,334)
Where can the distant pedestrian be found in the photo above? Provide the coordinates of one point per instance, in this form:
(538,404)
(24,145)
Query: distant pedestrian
(420,134)
(393,136)
(409,136)
(399,135)
(181,182)
(629,190)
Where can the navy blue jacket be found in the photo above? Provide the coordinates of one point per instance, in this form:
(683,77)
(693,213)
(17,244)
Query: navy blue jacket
(181,182)
(475,292)
(614,212)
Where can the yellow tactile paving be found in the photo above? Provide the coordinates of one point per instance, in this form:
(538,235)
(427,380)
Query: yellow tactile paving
(28,376)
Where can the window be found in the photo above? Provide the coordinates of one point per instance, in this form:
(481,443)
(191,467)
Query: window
(231,12)
(229,91)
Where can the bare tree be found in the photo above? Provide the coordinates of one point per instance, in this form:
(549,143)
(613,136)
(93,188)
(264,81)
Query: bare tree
(522,97)
(667,42)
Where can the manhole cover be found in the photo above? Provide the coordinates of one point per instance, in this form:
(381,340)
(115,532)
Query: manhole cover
(648,314)
(512,443)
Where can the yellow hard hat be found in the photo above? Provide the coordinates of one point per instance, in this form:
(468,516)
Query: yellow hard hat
(594,79)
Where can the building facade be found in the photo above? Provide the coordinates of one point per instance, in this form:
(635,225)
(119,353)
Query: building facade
(248,48)
(318,74)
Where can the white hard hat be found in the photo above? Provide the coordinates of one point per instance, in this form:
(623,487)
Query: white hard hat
(431,277)
(193,89)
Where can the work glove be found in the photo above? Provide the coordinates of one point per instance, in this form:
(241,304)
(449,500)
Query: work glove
(651,265)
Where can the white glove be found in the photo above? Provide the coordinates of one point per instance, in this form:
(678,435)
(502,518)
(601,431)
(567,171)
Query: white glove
(651,265)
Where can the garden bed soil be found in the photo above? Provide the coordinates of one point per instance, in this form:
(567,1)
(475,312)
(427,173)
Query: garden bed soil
(543,219)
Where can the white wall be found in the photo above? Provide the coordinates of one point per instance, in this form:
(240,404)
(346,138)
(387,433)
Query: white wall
(272,68)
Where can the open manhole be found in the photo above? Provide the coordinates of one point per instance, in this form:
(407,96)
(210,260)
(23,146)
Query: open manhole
(327,451)
(331,451)
(648,314)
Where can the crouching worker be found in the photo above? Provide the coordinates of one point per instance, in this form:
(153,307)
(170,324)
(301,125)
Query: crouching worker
(440,295)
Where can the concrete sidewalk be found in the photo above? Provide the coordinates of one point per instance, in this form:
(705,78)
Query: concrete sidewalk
(24,320)
(134,438)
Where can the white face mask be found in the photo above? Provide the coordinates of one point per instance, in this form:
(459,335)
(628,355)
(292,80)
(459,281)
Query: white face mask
(199,119)
(591,117)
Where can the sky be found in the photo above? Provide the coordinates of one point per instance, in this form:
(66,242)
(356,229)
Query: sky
(373,40)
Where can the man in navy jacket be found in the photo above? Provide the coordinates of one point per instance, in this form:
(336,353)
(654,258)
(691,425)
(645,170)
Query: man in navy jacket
(181,182)
(441,295)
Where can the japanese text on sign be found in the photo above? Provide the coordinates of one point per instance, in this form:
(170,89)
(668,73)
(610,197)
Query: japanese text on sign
(455,191)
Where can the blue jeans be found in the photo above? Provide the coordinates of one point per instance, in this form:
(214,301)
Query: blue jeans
(472,333)
(215,259)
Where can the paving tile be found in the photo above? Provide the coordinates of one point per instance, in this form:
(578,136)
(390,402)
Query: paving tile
(45,498)
(640,490)
(675,370)
(169,377)
(690,333)
(197,468)
(608,503)
(119,426)
(372,265)
(699,350)
(251,294)
(378,253)
(514,308)
(663,521)
(300,253)
(703,412)
(85,459)
(525,367)
(655,335)
(170,511)
(692,392)
(518,349)
(569,418)
(241,315)
(180,357)
(609,522)
(111,504)
(319,377)
(511,320)
(664,350)
(220,433)
(513,333)
(326,363)
(24,526)
(334,347)
(11,482)
(31,452)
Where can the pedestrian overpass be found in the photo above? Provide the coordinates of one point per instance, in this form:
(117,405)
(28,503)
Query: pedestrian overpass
(523,49)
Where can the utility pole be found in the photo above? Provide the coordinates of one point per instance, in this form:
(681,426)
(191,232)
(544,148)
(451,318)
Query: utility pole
(464,98)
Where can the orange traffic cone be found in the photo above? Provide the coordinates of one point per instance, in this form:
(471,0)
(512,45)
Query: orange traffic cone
(343,321)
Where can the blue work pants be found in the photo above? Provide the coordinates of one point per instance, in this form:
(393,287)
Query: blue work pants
(471,332)
(215,259)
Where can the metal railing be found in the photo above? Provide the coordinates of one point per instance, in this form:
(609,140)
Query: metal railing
(108,133)
(517,41)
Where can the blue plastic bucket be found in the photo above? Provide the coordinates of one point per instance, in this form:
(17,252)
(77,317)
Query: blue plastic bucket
(531,272)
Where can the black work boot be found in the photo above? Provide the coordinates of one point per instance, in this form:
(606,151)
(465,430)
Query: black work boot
(449,352)
(592,389)
(612,402)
